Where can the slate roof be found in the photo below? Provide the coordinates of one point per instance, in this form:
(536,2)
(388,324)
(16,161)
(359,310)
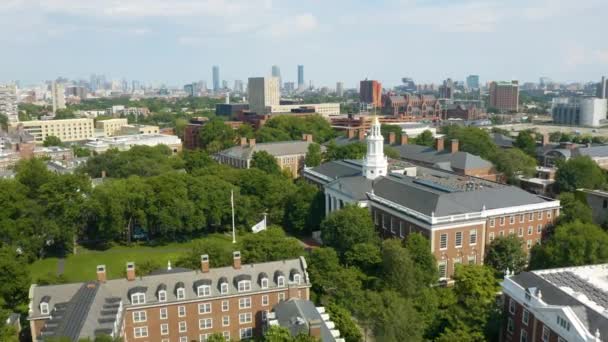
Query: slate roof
(339,168)
(87,309)
(428,155)
(294,314)
(549,284)
(596,151)
(356,186)
(502,140)
(277,149)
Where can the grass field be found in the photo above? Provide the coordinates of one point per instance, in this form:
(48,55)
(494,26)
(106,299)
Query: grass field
(82,266)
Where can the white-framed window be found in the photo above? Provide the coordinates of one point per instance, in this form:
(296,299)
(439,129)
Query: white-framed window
(181,293)
(224,288)
(44,308)
(162,296)
(401,229)
(520,232)
(456,262)
(511,219)
(384,226)
(226,335)
(546,333)
(525,317)
(139,316)
(225,321)
(204,291)
(511,231)
(281,296)
(472,259)
(510,325)
(501,233)
(203,337)
(492,222)
(181,311)
(539,228)
(512,306)
(280,281)
(265,300)
(473,237)
(376,217)
(183,339)
(183,327)
(244,303)
(296,278)
(563,323)
(442,266)
(443,241)
(246,333)
(205,323)
(392,225)
(531,217)
(502,221)
(549,214)
(264,283)
(225,306)
(458,239)
(204,308)
(523,336)
(244,285)
(140,332)
(164,329)
(530,230)
(163,313)
(491,236)
(138,298)
(245,318)
(522,218)
(540,215)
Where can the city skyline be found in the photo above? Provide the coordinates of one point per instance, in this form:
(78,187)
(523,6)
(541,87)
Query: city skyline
(153,41)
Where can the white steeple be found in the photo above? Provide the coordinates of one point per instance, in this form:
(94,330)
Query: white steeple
(375,163)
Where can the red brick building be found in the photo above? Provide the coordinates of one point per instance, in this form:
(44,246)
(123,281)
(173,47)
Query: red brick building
(504,96)
(370,92)
(412,107)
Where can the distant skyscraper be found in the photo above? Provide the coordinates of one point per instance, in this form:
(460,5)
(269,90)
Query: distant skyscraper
(602,88)
(135,86)
(370,92)
(290,87)
(263,92)
(8,102)
(446,91)
(224,84)
(58,94)
(276,72)
(216,78)
(238,86)
(339,89)
(300,76)
(504,96)
(473,81)
(190,89)
(544,81)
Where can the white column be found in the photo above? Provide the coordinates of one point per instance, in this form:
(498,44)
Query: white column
(327,204)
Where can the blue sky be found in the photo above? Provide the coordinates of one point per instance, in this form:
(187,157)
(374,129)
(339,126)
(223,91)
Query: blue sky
(177,41)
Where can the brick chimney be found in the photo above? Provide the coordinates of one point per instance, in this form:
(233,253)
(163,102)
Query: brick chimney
(455,145)
(130,271)
(236,260)
(101,273)
(404,140)
(350,133)
(204,263)
(307,137)
(361,134)
(314,328)
(439,144)
(251,142)
(391,138)
(243,141)
(546,139)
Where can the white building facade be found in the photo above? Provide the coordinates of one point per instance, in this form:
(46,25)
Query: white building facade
(263,92)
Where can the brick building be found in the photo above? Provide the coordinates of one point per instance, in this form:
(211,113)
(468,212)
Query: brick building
(556,305)
(504,96)
(191,139)
(412,106)
(173,304)
(370,92)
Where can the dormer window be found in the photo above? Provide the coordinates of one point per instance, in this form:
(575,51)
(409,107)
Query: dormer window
(204,291)
(244,285)
(162,296)
(224,288)
(44,308)
(181,293)
(281,281)
(296,278)
(264,283)
(138,298)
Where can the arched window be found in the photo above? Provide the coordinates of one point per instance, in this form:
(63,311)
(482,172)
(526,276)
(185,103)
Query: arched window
(264,283)
(162,296)
(296,278)
(181,293)
(44,308)
(224,288)
(281,281)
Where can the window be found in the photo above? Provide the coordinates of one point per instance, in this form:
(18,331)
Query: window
(384,221)
(457,261)
(549,214)
(525,317)
(443,241)
(204,291)
(401,229)
(540,215)
(511,219)
(392,225)
(511,231)
(510,325)
(204,308)
(502,221)
(44,308)
(245,303)
(512,306)
(296,278)
(162,296)
(224,288)
(492,222)
(491,236)
(205,323)
(244,285)
(523,336)
(443,268)
(181,311)
(473,237)
(546,334)
(139,316)
(265,300)
(281,296)
(245,318)
(521,218)
(163,313)
(182,326)
(140,332)
(531,217)
(264,283)
(539,228)
(183,339)
(225,306)
(472,259)
(530,230)
(501,233)
(164,329)
(520,232)
(376,217)
(138,298)
(226,335)
(529,244)
(181,293)
(281,281)
(246,333)
(563,323)
(458,240)
(225,321)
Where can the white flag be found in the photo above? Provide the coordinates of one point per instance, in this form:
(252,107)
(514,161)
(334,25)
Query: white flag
(259,226)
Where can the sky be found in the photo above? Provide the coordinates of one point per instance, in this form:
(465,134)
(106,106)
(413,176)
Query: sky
(178,41)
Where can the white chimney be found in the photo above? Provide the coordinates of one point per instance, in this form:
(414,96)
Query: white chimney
(227,97)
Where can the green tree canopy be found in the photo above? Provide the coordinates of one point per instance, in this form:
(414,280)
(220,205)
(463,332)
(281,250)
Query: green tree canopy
(526,141)
(506,253)
(513,162)
(425,264)
(425,138)
(216,136)
(265,162)
(573,209)
(52,140)
(304,209)
(347,227)
(354,150)
(314,157)
(579,172)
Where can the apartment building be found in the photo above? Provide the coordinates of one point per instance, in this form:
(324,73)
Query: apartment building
(370,92)
(111,127)
(8,102)
(262,93)
(169,305)
(504,96)
(67,130)
(556,305)
(324,109)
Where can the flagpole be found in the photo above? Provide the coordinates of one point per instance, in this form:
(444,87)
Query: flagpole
(232,205)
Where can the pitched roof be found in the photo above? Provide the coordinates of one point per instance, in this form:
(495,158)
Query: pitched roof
(356,186)
(428,155)
(339,168)
(295,315)
(502,140)
(277,149)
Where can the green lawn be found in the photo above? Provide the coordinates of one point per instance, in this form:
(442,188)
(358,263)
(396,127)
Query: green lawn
(82,266)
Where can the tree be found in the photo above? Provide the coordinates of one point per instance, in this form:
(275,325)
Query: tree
(277,334)
(472,139)
(52,140)
(180,127)
(572,244)
(344,228)
(579,172)
(354,150)
(395,319)
(33,173)
(461,333)
(216,136)
(14,277)
(344,322)
(196,159)
(425,138)
(269,245)
(332,281)
(398,268)
(506,252)
(366,256)
(302,215)
(514,162)
(313,155)
(526,141)
(265,162)
(425,264)
(573,208)
(391,153)
(217,337)
(3,122)
(387,129)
